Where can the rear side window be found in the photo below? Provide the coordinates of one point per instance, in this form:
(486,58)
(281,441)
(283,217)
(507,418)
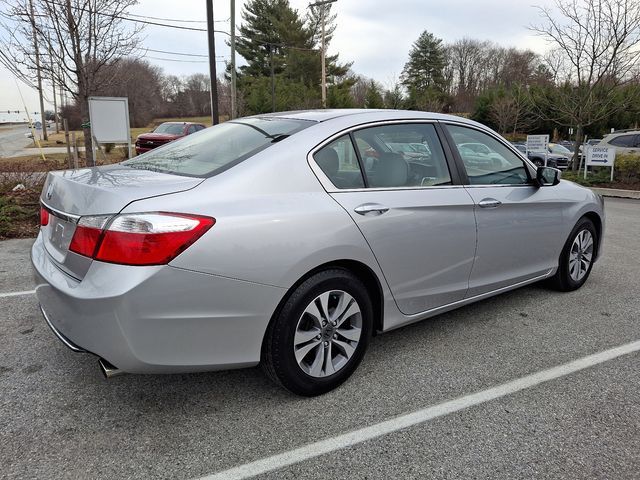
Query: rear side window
(216,149)
(628,141)
(402,155)
(339,162)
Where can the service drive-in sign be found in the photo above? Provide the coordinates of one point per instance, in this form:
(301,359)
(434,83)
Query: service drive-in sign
(601,156)
(537,143)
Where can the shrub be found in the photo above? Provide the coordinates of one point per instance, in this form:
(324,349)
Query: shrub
(627,168)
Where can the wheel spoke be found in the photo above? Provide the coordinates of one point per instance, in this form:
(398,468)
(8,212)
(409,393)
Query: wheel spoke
(322,302)
(572,269)
(587,256)
(312,310)
(302,351)
(315,368)
(328,362)
(303,336)
(350,312)
(352,334)
(345,347)
(344,301)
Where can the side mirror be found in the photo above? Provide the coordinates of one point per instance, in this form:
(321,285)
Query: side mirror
(547,176)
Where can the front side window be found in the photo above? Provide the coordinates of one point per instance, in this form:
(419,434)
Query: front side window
(215,149)
(486,160)
(339,162)
(402,155)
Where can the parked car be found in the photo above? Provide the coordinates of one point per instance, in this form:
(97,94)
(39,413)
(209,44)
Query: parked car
(560,162)
(624,142)
(164,133)
(270,239)
(593,142)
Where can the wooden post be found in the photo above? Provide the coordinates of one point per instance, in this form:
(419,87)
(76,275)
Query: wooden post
(75,150)
(66,139)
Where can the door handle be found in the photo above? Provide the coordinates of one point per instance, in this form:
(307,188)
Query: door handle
(489,203)
(371,209)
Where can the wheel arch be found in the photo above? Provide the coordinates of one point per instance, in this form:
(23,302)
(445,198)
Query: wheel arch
(364,273)
(597,222)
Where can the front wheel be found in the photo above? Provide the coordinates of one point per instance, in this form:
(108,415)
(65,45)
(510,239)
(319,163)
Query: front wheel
(577,257)
(320,335)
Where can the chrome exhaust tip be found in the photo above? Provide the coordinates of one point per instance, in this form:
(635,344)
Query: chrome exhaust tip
(109,370)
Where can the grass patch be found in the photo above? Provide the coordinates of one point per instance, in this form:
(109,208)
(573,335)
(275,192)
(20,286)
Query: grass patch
(19,210)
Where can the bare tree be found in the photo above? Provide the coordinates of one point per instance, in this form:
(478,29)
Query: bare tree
(512,111)
(595,51)
(81,37)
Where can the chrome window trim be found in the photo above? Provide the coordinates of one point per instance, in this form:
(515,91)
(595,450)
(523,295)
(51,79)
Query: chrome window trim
(528,163)
(328,185)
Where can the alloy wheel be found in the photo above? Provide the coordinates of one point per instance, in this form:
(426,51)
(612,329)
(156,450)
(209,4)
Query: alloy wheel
(327,333)
(581,255)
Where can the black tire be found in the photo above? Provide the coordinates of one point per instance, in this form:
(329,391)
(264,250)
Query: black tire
(562,280)
(538,163)
(278,358)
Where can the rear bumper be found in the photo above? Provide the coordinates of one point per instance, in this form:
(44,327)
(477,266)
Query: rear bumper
(155,319)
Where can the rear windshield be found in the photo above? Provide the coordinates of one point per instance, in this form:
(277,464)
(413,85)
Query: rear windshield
(216,149)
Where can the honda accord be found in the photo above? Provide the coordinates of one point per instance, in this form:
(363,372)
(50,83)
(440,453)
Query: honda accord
(290,239)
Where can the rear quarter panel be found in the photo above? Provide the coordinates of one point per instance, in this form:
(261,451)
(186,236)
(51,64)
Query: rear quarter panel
(274,221)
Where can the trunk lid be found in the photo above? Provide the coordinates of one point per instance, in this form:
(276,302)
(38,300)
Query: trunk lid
(71,194)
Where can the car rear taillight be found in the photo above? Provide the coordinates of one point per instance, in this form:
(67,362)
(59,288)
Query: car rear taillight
(44,216)
(138,238)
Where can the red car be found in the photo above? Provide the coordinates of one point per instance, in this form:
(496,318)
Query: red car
(165,133)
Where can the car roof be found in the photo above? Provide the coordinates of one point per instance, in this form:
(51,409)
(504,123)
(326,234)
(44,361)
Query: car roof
(362,113)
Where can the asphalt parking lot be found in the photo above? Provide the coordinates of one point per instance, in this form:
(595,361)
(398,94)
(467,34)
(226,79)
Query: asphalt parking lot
(59,418)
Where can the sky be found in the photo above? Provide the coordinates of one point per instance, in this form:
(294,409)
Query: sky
(376,35)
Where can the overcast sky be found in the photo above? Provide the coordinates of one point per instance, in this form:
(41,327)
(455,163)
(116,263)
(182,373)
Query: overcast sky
(375,34)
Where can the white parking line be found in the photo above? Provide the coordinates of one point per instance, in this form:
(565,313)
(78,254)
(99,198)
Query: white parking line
(17,294)
(420,416)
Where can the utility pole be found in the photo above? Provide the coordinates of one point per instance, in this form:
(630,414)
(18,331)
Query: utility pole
(233,59)
(323,52)
(273,79)
(215,117)
(38,73)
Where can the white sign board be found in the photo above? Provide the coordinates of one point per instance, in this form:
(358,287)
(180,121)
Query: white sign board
(109,117)
(601,157)
(538,143)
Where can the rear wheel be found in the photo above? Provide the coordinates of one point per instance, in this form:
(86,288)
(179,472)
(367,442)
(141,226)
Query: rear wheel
(320,335)
(577,257)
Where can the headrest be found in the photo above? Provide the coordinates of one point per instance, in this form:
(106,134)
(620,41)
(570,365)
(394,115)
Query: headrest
(391,171)
(327,160)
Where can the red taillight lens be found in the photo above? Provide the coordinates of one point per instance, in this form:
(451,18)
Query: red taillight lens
(44,216)
(139,239)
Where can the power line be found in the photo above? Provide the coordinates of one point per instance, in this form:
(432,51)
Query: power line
(180,27)
(174,20)
(178,53)
(183,61)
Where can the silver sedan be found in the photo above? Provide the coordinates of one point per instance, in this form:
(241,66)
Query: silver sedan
(290,239)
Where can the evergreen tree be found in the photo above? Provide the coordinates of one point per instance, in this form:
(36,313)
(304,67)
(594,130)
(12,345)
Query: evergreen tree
(373,98)
(424,72)
(270,27)
(273,27)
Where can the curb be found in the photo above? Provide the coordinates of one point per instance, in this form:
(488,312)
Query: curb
(616,192)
